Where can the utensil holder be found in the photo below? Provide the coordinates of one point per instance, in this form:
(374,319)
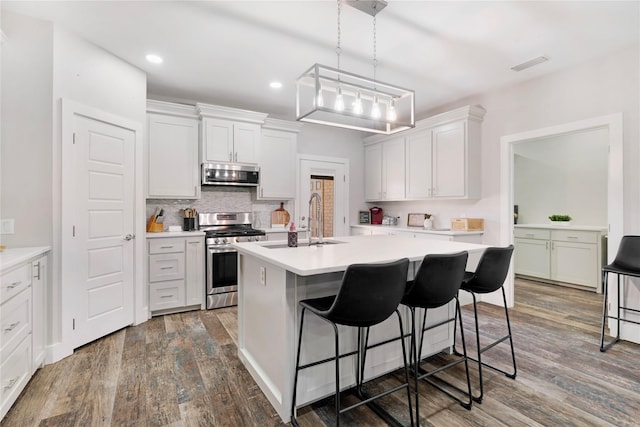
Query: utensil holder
(189,224)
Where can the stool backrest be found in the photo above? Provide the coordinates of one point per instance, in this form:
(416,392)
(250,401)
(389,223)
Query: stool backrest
(369,293)
(492,270)
(437,280)
(628,255)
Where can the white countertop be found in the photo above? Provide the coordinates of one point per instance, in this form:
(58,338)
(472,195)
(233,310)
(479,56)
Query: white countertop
(311,260)
(175,234)
(444,232)
(275,229)
(563,227)
(11,257)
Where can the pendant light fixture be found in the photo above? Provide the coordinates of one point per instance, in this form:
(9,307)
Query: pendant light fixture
(334,97)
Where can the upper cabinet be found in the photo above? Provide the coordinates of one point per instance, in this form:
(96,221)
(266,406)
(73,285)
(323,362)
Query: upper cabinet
(229,135)
(277,159)
(385,170)
(440,158)
(172,151)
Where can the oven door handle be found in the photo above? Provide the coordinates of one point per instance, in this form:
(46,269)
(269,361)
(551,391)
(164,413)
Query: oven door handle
(218,250)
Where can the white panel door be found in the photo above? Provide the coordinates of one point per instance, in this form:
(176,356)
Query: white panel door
(373,172)
(217,145)
(532,258)
(449,164)
(393,169)
(246,137)
(575,263)
(98,259)
(418,165)
(277,165)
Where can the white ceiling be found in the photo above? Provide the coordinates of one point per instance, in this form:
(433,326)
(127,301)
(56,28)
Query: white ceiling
(227,52)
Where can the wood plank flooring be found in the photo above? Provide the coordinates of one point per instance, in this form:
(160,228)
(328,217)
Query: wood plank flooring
(183,370)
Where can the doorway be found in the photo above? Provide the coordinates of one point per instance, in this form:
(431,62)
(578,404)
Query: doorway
(329,178)
(613,125)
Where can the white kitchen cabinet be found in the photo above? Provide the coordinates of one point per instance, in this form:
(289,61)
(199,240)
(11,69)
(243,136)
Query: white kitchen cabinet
(172,151)
(228,134)
(441,158)
(277,160)
(574,256)
(176,273)
(385,170)
(38,288)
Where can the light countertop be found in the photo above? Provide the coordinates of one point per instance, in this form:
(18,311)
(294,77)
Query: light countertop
(175,234)
(311,260)
(11,257)
(444,232)
(563,227)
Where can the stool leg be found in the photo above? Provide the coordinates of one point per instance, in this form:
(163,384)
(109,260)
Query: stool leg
(605,291)
(618,312)
(464,350)
(414,360)
(337,361)
(513,353)
(406,369)
(295,377)
(475,315)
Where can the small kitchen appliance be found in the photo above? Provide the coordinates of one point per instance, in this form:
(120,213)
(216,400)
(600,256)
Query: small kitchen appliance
(376,215)
(230,174)
(221,229)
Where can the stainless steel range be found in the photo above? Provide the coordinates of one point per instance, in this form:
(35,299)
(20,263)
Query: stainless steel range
(223,228)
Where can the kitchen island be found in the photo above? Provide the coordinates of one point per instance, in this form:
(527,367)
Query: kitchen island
(273,278)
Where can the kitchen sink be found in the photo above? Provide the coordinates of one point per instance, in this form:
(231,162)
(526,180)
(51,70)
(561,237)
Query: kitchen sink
(284,245)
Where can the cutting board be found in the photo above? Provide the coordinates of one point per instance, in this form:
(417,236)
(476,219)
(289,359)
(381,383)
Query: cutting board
(280,216)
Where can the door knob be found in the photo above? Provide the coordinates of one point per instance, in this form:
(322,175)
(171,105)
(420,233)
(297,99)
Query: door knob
(129,237)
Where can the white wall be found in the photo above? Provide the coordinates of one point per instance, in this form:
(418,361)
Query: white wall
(565,174)
(26,168)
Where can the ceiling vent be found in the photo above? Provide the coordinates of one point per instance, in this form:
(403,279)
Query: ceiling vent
(530,63)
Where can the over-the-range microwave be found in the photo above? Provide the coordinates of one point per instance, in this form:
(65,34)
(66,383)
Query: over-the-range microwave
(230,174)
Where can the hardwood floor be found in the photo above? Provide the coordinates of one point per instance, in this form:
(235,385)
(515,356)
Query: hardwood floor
(183,370)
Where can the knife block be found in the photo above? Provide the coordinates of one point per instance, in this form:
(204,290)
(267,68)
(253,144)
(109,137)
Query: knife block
(153,226)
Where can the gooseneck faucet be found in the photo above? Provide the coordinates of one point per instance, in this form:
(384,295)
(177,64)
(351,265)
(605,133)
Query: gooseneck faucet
(318,218)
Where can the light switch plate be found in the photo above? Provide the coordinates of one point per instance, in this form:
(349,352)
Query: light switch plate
(6,226)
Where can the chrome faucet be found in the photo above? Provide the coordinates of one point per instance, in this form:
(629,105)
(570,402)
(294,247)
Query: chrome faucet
(318,218)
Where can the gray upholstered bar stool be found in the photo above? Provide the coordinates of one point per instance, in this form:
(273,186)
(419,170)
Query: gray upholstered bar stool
(436,284)
(368,295)
(489,277)
(626,263)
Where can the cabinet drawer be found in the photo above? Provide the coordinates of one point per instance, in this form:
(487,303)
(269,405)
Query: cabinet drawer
(14,282)
(166,267)
(575,236)
(532,233)
(165,295)
(14,374)
(165,246)
(15,322)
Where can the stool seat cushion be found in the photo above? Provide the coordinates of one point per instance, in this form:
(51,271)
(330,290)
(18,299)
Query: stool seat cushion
(491,271)
(437,280)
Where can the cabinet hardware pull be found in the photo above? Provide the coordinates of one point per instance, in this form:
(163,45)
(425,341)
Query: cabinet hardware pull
(546,245)
(11,327)
(37,266)
(11,383)
(166,268)
(530,235)
(14,284)
(572,237)
(166,296)
(230,156)
(166,247)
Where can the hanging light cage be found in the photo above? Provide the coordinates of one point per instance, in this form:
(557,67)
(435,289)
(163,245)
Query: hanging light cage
(333,97)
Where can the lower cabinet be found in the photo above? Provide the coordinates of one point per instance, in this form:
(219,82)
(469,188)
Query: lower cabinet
(176,274)
(22,327)
(567,256)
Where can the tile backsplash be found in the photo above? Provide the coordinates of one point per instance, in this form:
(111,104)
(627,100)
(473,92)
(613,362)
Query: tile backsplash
(220,199)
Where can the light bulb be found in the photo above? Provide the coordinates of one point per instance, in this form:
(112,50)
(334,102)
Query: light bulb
(339,100)
(375,108)
(319,99)
(392,116)
(357,104)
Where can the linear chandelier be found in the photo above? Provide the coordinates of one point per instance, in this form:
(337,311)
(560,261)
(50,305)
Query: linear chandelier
(334,97)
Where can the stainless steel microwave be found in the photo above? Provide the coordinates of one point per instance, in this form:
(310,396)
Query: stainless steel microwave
(230,174)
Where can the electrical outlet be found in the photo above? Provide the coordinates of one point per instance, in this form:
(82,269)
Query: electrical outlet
(6,226)
(263,275)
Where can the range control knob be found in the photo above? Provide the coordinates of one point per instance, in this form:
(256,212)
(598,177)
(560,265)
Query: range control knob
(225,240)
(216,241)
(236,239)
(258,238)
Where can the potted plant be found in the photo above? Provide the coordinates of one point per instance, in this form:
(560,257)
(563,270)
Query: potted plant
(560,219)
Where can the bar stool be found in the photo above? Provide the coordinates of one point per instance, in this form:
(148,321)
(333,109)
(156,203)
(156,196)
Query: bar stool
(626,263)
(436,283)
(489,277)
(368,295)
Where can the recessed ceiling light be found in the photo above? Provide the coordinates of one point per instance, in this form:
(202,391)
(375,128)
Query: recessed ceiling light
(154,59)
(275,85)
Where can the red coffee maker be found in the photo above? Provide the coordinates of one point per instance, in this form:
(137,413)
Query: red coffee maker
(376,215)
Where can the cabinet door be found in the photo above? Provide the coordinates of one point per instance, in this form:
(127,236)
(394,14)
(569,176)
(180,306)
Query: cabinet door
(449,160)
(373,172)
(393,169)
(172,157)
(38,286)
(575,263)
(217,140)
(277,160)
(246,137)
(418,165)
(194,271)
(532,258)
